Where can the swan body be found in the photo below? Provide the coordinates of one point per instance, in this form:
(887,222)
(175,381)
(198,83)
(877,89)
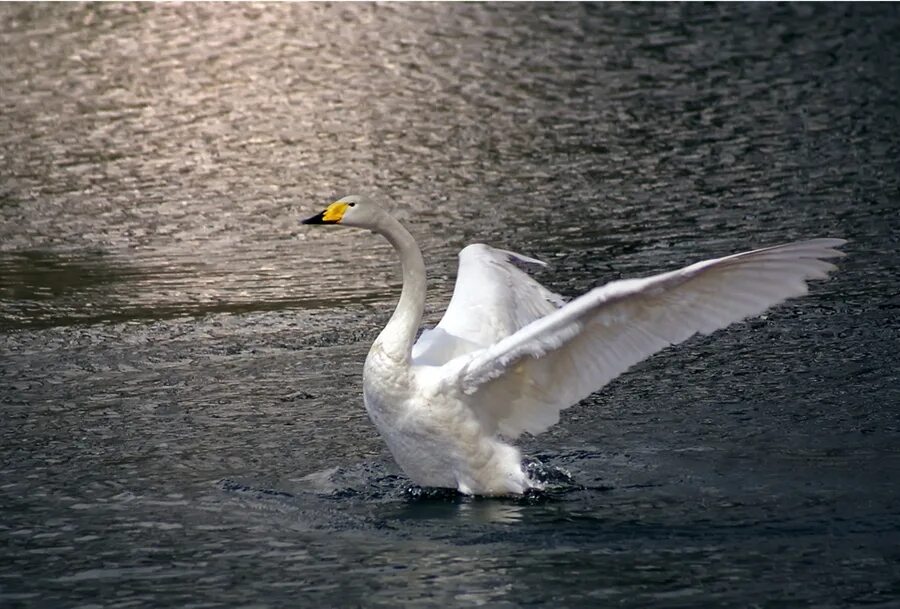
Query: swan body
(509,354)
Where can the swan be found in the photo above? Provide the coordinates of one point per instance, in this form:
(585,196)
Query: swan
(509,354)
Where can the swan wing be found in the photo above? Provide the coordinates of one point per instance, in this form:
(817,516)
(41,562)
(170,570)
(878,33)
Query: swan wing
(522,382)
(493,298)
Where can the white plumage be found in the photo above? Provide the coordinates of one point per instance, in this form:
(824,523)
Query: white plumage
(509,355)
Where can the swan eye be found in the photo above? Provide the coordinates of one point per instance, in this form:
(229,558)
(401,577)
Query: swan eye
(352,204)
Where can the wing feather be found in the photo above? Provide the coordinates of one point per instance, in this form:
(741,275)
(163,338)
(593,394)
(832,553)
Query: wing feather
(493,298)
(521,382)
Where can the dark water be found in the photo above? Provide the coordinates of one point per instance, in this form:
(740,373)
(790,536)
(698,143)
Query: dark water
(180,361)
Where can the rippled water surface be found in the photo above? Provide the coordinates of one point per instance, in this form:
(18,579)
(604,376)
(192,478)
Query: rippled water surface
(180,361)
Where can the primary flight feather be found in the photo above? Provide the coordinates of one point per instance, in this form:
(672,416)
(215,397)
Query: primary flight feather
(509,354)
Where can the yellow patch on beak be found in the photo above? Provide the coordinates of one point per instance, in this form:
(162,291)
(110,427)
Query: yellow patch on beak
(334,212)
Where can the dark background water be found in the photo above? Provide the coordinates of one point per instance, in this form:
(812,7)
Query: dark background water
(180,362)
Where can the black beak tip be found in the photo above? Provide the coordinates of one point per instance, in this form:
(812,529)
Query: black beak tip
(317,219)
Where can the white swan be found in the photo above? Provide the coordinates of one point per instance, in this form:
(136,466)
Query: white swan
(508,354)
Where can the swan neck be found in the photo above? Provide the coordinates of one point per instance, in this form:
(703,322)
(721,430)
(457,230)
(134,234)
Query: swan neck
(396,339)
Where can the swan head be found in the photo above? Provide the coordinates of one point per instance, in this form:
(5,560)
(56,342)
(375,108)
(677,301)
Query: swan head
(352,210)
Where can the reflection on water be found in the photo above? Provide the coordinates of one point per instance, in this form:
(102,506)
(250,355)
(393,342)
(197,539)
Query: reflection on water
(167,328)
(43,288)
(32,282)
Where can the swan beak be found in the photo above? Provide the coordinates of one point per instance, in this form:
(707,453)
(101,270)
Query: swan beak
(317,219)
(330,215)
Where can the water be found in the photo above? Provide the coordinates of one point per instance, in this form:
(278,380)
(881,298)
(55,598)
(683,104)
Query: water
(180,360)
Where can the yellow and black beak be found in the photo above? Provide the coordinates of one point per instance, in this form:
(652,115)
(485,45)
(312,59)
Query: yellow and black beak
(330,215)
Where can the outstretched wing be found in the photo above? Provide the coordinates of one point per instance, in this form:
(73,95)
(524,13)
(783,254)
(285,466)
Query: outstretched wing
(493,298)
(522,382)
